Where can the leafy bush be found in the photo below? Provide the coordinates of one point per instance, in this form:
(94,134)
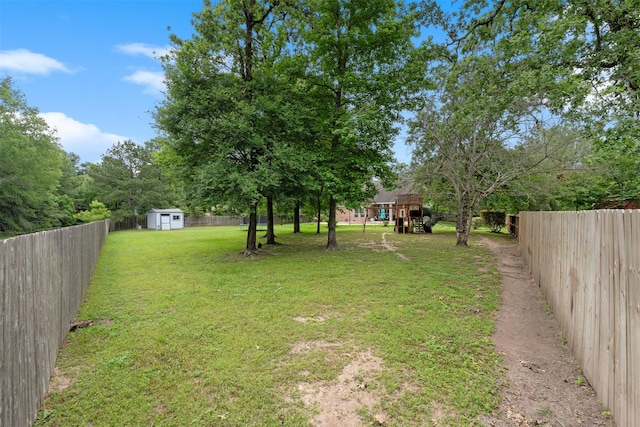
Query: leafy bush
(494,220)
(477,223)
(97,212)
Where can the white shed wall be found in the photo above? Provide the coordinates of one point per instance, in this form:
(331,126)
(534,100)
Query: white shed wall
(165,220)
(152,220)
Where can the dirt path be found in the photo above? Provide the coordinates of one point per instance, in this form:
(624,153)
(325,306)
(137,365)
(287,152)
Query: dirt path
(543,383)
(391,248)
(545,386)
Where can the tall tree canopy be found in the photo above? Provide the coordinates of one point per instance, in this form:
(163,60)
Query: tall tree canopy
(362,69)
(504,66)
(129,181)
(268,94)
(476,134)
(76,182)
(582,56)
(30,165)
(582,47)
(223,116)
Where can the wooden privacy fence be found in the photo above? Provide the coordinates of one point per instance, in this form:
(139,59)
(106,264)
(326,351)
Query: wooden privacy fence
(128,223)
(211,221)
(222,220)
(43,277)
(588,266)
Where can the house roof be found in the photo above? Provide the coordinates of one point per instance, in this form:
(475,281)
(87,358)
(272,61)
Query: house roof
(389,196)
(172,210)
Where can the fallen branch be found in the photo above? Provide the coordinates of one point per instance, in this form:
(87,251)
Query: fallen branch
(81,324)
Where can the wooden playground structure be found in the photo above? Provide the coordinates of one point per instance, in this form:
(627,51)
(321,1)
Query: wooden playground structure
(409,214)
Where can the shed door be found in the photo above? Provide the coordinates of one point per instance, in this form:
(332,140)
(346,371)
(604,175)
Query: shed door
(165,221)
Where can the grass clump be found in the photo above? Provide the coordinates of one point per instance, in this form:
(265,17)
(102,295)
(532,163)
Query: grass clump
(188,332)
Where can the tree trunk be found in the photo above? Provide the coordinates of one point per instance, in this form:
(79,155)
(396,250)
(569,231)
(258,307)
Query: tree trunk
(296,218)
(462,228)
(247,76)
(469,223)
(332,241)
(364,225)
(319,214)
(271,237)
(251,249)
(132,203)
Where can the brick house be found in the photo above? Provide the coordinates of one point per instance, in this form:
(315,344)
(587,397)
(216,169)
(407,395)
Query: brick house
(383,206)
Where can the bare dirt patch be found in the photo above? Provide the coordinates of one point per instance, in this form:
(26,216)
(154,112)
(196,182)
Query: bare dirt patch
(344,400)
(302,319)
(544,384)
(306,347)
(59,381)
(337,403)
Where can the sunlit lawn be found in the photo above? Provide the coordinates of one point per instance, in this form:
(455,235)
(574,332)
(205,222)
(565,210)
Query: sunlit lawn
(189,332)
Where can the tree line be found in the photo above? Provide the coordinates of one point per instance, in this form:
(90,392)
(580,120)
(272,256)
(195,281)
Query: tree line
(290,105)
(516,105)
(42,186)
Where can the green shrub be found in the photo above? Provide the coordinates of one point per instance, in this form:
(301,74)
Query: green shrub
(494,220)
(476,223)
(97,212)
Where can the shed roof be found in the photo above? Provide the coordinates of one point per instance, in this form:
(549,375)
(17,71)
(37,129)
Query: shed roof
(170,210)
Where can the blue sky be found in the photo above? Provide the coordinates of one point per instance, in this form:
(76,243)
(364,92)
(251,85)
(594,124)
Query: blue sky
(90,66)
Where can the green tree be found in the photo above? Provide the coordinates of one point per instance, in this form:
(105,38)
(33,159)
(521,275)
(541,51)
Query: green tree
(30,165)
(97,212)
(361,68)
(618,162)
(129,180)
(290,141)
(76,183)
(580,55)
(224,116)
(567,180)
(476,135)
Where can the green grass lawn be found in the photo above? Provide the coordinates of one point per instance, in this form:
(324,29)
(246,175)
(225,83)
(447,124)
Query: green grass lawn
(189,332)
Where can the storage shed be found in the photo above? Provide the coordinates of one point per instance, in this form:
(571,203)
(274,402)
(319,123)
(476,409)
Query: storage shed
(165,219)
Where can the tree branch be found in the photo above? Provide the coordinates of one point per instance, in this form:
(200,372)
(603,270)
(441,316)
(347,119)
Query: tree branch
(266,13)
(481,23)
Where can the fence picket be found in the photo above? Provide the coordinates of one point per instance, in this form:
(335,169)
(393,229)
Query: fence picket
(633,325)
(620,331)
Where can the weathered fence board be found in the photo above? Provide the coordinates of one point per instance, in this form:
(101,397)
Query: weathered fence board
(128,223)
(211,221)
(588,266)
(43,277)
(225,220)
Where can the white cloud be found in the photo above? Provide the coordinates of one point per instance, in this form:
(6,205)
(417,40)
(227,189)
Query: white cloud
(142,49)
(152,80)
(25,61)
(86,140)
